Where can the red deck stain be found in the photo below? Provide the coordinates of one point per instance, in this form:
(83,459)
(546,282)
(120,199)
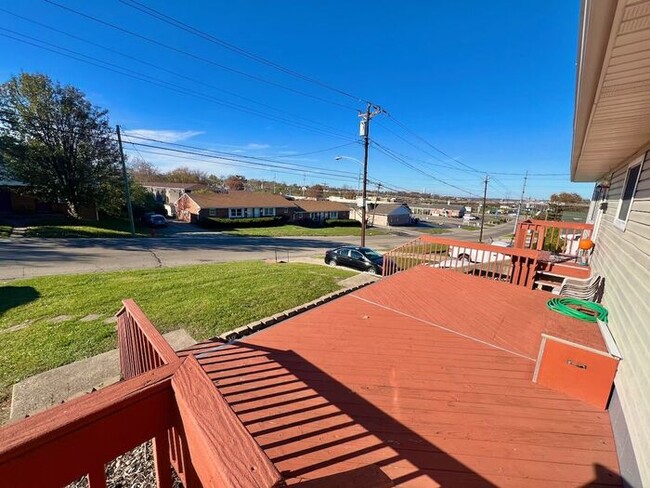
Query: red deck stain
(367,380)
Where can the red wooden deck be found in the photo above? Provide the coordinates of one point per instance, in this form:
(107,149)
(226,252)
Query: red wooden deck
(426,374)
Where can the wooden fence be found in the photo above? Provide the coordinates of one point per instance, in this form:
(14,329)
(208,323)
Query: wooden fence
(512,265)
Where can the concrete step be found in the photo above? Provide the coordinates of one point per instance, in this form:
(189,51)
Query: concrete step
(57,385)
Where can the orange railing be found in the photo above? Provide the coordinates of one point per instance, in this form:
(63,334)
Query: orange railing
(141,346)
(168,400)
(512,265)
(559,238)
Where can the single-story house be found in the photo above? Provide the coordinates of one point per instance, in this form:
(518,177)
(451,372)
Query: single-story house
(456,211)
(319,210)
(233,205)
(170,192)
(387,214)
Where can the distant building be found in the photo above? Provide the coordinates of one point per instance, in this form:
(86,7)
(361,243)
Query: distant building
(385,214)
(169,193)
(233,205)
(319,210)
(455,211)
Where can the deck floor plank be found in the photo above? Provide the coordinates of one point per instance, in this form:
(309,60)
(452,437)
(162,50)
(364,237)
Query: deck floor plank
(366,379)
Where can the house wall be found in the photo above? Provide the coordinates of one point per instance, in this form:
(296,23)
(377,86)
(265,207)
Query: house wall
(251,212)
(623,258)
(218,213)
(186,208)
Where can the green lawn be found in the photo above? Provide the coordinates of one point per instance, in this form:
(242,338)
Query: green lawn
(107,227)
(296,230)
(469,227)
(5,230)
(206,300)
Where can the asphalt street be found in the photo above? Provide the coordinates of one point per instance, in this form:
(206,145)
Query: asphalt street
(28,257)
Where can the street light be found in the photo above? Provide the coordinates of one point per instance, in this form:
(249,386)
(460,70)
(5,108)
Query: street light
(363,198)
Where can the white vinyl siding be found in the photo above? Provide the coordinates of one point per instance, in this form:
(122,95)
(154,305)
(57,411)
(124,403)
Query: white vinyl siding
(623,258)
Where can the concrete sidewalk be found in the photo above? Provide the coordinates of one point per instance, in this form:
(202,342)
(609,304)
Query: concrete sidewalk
(60,384)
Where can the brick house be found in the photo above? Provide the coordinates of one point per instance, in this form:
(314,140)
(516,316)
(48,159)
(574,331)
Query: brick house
(319,210)
(234,205)
(171,192)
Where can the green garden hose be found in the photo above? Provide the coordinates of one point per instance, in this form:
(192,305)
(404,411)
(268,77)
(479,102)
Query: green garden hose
(578,309)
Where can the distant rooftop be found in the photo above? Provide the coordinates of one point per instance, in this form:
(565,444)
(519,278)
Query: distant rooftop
(243,199)
(175,186)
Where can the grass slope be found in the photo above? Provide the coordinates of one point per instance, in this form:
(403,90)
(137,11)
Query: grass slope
(109,227)
(296,231)
(206,300)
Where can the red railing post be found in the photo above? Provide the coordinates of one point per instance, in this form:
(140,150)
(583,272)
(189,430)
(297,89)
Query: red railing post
(161,457)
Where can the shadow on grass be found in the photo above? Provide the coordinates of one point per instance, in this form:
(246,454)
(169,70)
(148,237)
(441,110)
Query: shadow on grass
(14,296)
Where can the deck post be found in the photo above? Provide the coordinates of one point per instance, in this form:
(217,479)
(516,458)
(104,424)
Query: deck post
(162,464)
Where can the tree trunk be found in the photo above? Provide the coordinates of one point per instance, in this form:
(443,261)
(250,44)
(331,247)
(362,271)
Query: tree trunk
(73,211)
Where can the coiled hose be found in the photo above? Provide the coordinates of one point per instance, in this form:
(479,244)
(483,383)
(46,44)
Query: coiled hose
(578,309)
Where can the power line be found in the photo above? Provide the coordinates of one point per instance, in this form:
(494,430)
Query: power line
(281,166)
(264,164)
(225,153)
(422,139)
(220,42)
(318,151)
(172,72)
(200,58)
(156,81)
(230,162)
(414,134)
(388,152)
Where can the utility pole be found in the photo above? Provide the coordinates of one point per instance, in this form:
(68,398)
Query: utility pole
(521,201)
(364,131)
(127,190)
(487,178)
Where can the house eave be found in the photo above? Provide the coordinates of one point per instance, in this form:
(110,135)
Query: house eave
(593,40)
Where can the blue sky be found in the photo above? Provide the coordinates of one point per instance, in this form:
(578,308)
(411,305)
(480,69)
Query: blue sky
(491,84)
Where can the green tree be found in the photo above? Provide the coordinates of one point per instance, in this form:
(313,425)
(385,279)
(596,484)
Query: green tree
(566,198)
(58,143)
(185,174)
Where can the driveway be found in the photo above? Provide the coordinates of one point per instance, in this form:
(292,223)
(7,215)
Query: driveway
(28,257)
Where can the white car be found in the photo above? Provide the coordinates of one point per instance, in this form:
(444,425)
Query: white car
(461,253)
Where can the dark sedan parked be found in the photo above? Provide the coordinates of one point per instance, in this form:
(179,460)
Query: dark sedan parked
(362,258)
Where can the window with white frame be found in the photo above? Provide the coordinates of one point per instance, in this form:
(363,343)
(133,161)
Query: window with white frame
(627,196)
(269,212)
(212,212)
(334,215)
(235,213)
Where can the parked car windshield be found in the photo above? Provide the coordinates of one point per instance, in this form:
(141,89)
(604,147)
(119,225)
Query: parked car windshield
(370,253)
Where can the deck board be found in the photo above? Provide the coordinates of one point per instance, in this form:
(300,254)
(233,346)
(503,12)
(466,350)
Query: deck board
(353,383)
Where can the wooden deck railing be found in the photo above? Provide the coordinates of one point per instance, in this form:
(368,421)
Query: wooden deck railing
(163,398)
(141,346)
(79,437)
(209,446)
(512,265)
(560,238)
